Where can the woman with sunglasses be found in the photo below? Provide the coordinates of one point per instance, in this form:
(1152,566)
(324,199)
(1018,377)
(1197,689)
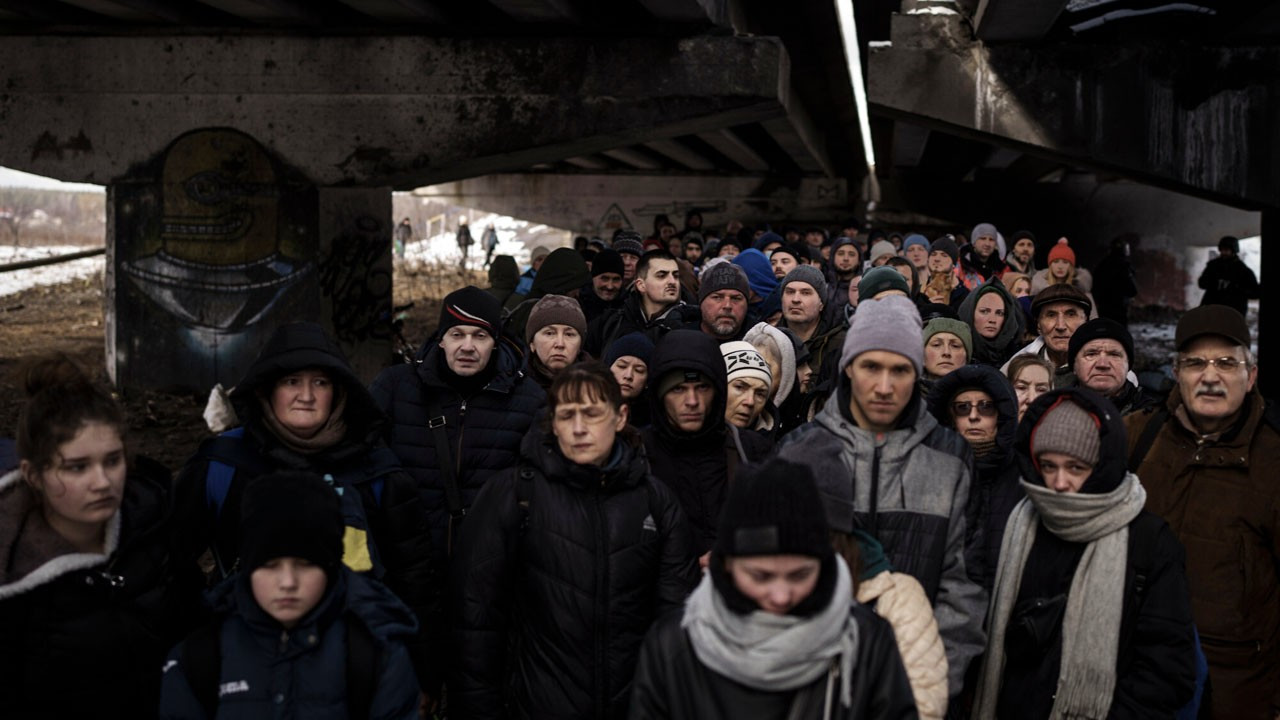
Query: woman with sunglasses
(977,402)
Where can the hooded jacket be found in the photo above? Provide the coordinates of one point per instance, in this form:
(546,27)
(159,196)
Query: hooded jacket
(697,466)
(1155,664)
(270,672)
(995,489)
(81,634)
(504,275)
(911,492)
(394,513)
(997,351)
(1222,500)
(1228,281)
(568,585)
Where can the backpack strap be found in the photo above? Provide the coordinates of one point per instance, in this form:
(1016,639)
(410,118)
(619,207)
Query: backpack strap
(438,425)
(524,493)
(363,668)
(201,662)
(1147,438)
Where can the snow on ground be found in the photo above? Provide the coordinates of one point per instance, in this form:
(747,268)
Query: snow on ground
(515,238)
(16,281)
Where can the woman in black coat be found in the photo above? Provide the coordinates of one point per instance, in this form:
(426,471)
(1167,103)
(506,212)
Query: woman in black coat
(771,631)
(563,564)
(1090,615)
(303,409)
(89,599)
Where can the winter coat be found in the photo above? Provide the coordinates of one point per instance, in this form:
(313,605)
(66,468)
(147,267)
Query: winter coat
(593,306)
(1221,498)
(1114,286)
(826,344)
(84,635)
(484,430)
(920,476)
(503,277)
(995,489)
(1228,281)
(270,672)
(900,600)
(997,351)
(671,683)
(1155,667)
(698,466)
(630,318)
(975,272)
(568,585)
(396,513)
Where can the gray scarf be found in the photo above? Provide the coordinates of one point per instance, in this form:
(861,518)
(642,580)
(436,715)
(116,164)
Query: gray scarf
(774,652)
(1095,602)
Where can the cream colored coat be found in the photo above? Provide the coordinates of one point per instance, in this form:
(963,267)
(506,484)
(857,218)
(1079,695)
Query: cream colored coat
(900,599)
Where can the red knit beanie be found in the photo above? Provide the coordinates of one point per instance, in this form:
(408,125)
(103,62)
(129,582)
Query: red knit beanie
(1062,251)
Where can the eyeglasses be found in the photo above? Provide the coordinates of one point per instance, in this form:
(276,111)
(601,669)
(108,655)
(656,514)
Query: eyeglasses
(986,408)
(1198,364)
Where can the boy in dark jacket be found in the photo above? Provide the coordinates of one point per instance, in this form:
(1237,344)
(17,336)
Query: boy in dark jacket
(296,634)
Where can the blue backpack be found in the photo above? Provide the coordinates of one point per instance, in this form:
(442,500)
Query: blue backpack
(228,453)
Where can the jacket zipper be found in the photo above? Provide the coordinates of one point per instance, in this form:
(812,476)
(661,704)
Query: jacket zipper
(457,456)
(875,493)
(1256,645)
(601,603)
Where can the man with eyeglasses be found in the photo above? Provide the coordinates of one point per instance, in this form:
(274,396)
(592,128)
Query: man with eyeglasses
(1207,459)
(1100,355)
(910,476)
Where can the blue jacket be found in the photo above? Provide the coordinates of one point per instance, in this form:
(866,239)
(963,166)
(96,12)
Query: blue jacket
(269,672)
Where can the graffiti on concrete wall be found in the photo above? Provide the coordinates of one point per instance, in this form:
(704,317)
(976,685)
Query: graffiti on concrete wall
(354,274)
(214,246)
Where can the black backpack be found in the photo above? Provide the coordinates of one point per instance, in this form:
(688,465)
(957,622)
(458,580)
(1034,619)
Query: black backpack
(202,665)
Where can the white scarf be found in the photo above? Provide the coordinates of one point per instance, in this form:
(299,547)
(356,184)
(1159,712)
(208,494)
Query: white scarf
(774,652)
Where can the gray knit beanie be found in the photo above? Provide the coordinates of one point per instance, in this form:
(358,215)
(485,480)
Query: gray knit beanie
(881,249)
(555,310)
(983,230)
(723,276)
(806,274)
(892,324)
(959,328)
(1069,429)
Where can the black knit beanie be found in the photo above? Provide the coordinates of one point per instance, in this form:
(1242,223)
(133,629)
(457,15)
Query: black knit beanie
(290,514)
(470,306)
(773,509)
(607,261)
(1099,329)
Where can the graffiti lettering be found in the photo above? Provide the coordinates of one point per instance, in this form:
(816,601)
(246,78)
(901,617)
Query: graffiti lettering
(356,283)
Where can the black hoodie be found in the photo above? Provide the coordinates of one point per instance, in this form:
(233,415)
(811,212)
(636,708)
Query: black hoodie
(697,466)
(995,489)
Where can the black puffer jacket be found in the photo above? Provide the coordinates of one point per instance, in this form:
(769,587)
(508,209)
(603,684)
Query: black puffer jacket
(484,430)
(630,318)
(698,466)
(995,489)
(570,584)
(672,684)
(1155,670)
(85,635)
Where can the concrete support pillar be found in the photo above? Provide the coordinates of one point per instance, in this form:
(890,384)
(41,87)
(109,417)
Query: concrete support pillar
(1269,323)
(214,243)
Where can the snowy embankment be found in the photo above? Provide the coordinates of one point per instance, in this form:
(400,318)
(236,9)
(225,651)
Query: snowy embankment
(515,238)
(16,281)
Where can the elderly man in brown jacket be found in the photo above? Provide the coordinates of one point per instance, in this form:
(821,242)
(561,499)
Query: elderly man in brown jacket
(1208,460)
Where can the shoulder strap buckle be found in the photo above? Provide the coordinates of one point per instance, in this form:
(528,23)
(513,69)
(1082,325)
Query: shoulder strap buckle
(436,422)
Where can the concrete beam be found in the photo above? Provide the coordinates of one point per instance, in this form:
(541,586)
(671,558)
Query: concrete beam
(681,154)
(797,134)
(1197,120)
(1015,20)
(398,111)
(727,143)
(634,158)
(909,142)
(598,204)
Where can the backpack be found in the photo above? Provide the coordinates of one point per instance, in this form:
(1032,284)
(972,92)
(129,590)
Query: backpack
(202,665)
(228,452)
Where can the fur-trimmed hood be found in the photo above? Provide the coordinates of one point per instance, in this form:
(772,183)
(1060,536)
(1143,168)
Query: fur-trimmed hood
(31,552)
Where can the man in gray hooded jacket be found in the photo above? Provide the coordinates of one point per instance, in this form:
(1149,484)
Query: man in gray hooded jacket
(910,476)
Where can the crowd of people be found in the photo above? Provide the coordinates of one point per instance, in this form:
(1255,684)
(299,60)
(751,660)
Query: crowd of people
(696,475)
